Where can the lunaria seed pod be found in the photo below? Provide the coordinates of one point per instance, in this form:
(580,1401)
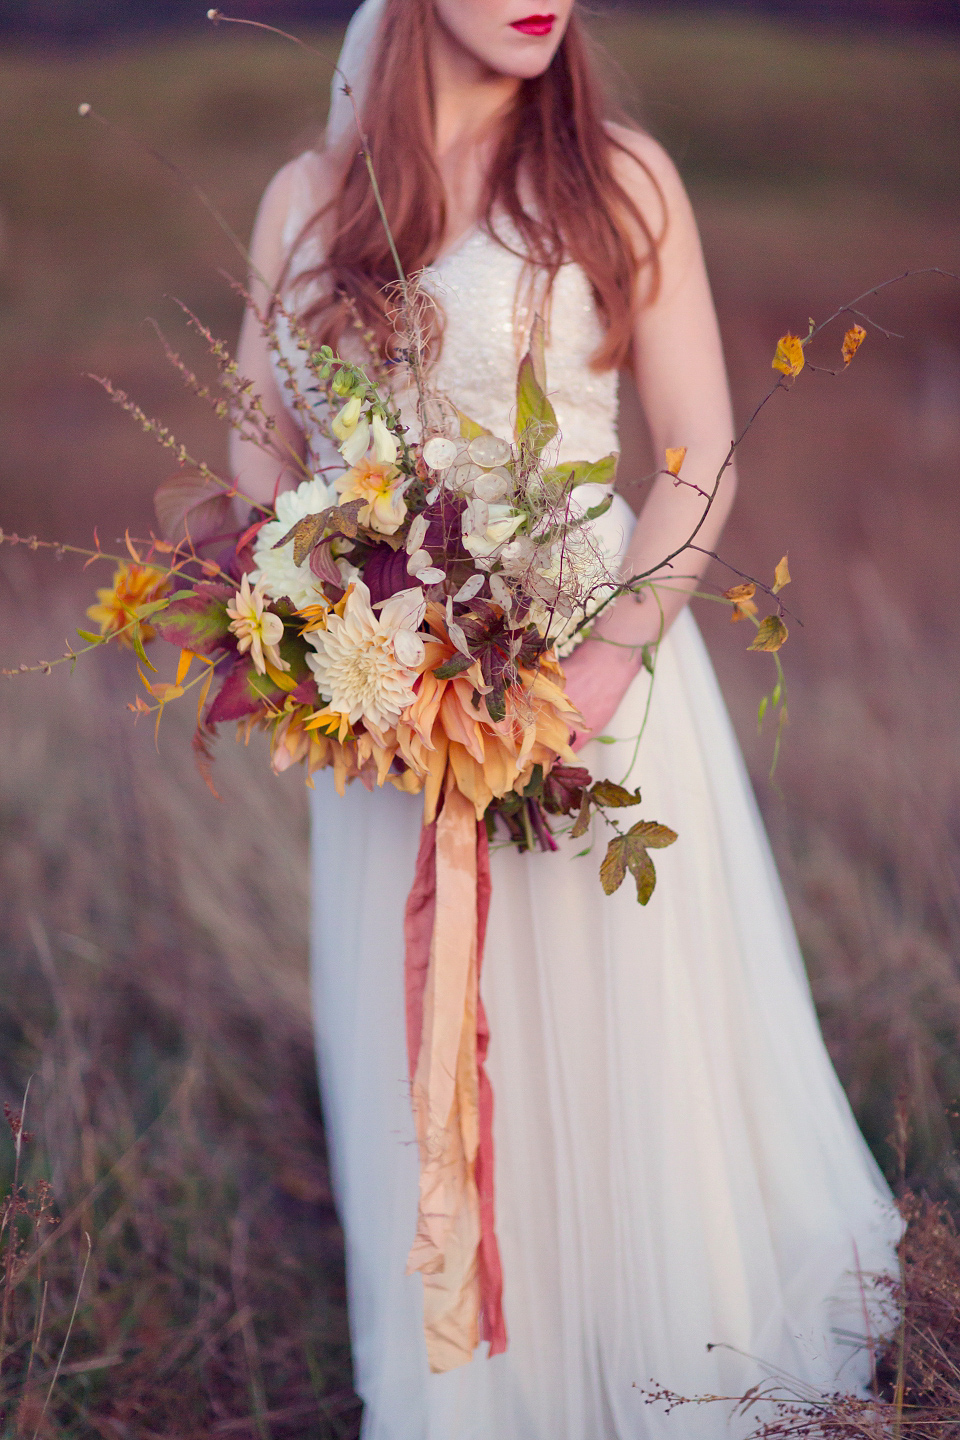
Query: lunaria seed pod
(440,452)
(493,485)
(488,451)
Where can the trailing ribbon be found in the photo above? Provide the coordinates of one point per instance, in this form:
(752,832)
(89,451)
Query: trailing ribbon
(455,1248)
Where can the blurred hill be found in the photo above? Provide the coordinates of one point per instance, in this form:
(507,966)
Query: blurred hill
(72,20)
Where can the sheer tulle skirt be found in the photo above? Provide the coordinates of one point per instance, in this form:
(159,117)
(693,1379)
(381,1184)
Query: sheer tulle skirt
(676,1163)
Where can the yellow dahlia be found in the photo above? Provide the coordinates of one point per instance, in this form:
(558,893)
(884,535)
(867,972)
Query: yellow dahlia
(133,586)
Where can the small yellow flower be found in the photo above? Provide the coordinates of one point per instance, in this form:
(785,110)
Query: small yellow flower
(380,486)
(259,631)
(133,586)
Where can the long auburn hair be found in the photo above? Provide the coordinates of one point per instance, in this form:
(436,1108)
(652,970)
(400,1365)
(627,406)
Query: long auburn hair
(551,176)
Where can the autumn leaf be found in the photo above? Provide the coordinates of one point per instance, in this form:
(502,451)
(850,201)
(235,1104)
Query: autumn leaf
(656,836)
(742,599)
(642,869)
(770,635)
(191,504)
(675,459)
(582,823)
(243,693)
(739,593)
(613,796)
(781,576)
(197,620)
(308,532)
(614,866)
(789,357)
(852,341)
(183,666)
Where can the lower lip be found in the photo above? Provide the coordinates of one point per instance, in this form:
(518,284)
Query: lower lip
(536,25)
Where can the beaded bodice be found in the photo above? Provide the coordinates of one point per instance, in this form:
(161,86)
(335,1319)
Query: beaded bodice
(489,303)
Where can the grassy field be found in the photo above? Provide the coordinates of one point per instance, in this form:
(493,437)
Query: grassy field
(153,939)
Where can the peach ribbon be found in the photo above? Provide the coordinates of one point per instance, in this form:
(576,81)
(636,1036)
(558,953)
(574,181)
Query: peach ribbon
(455,1248)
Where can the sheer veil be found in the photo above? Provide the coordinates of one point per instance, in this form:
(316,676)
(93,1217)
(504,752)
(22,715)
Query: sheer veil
(354,64)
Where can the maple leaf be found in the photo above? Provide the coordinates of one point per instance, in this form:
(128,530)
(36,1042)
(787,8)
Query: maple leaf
(770,635)
(675,459)
(852,341)
(789,357)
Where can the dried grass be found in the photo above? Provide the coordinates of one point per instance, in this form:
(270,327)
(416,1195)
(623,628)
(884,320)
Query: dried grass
(153,941)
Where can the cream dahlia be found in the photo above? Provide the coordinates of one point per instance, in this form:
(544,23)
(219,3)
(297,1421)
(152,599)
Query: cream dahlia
(366,665)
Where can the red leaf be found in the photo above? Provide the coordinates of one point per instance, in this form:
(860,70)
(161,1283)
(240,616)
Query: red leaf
(197,619)
(189,505)
(242,693)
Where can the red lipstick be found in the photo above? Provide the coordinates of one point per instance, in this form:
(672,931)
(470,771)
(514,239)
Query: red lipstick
(535,24)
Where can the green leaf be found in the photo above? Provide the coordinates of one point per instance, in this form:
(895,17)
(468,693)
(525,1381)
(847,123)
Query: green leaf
(89,635)
(454,666)
(614,866)
(761,711)
(534,784)
(605,739)
(656,836)
(497,703)
(770,635)
(153,607)
(136,640)
(469,429)
(775,697)
(613,796)
(536,418)
(597,510)
(584,472)
(646,656)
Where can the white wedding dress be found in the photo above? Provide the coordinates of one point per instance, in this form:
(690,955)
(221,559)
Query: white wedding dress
(676,1165)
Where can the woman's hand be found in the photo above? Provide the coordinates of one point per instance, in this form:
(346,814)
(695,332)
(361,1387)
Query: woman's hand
(598,675)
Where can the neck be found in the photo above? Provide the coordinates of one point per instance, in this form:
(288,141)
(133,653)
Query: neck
(469,97)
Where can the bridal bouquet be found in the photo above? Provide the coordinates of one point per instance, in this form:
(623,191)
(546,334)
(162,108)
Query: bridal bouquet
(401,621)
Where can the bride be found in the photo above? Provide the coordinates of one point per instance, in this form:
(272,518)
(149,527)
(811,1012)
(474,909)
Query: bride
(682,1195)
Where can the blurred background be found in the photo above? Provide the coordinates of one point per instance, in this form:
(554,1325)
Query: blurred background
(153,938)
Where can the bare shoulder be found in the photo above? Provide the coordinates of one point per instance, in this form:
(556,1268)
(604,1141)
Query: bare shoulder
(296,192)
(648,175)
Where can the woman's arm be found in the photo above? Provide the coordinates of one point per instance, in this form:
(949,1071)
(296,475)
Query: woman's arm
(256,473)
(681,377)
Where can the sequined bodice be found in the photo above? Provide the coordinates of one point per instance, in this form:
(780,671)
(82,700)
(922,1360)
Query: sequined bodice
(488,305)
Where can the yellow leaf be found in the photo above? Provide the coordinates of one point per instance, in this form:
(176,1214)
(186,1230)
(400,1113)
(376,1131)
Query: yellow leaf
(186,658)
(770,635)
(739,593)
(675,459)
(204,692)
(781,576)
(852,341)
(742,610)
(147,686)
(163,692)
(789,357)
(280,678)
